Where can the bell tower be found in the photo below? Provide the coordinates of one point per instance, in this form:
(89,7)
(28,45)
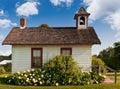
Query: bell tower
(81,18)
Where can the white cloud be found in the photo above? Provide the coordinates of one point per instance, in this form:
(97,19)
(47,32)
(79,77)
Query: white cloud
(107,10)
(1,12)
(6,53)
(99,8)
(4,23)
(59,2)
(27,9)
(114,20)
(1,37)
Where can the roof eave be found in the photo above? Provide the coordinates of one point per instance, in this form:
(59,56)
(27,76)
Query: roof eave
(51,43)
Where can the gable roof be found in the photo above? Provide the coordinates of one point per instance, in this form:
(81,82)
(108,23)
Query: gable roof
(81,12)
(53,35)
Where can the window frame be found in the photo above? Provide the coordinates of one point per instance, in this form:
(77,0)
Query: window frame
(66,49)
(41,53)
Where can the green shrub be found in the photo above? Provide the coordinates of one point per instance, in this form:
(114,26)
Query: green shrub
(2,70)
(33,77)
(40,78)
(96,62)
(63,70)
(85,79)
(97,78)
(8,67)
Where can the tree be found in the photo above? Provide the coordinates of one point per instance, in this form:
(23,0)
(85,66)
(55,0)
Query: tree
(44,25)
(111,56)
(96,62)
(5,57)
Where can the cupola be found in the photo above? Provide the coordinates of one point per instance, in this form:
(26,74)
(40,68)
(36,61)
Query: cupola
(81,18)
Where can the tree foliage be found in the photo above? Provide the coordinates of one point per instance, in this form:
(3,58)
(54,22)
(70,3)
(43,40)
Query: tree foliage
(111,56)
(96,62)
(44,25)
(5,57)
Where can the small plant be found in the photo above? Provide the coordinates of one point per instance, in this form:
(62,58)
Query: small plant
(2,70)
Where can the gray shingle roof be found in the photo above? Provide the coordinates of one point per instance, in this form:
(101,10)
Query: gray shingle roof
(51,35)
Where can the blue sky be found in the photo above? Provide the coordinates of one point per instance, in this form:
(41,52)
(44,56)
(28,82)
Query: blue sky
(105,17)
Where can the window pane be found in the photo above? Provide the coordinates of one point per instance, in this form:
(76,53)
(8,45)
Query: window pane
(66,52)
(36,58)
(36,61)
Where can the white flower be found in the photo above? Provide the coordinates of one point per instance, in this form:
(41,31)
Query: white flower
(31,77)
(27,80)
(40,83)
(56,84)
(18,72)
(19,77)
(100,74)
(33,74)
(33,69)
(104,76)
(88,82)
(42,75)
(24,71)
(70,81)
(28,70)
(33,80)
(39,78)
(25,75)
(49,75)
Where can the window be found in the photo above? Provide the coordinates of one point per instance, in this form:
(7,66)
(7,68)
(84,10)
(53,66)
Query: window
(82,20)
(36,57)
(66,51)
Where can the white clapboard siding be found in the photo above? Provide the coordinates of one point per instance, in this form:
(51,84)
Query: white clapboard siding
(21,55)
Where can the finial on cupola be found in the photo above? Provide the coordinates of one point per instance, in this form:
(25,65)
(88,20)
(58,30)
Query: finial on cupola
(81,18)
(22,23)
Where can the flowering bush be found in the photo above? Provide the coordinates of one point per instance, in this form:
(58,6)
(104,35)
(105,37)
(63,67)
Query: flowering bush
(33,77)
(61,70)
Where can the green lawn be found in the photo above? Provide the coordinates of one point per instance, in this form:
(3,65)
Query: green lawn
(94,86)
(110,86)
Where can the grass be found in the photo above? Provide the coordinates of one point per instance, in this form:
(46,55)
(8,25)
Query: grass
(100,86)
(93,86)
